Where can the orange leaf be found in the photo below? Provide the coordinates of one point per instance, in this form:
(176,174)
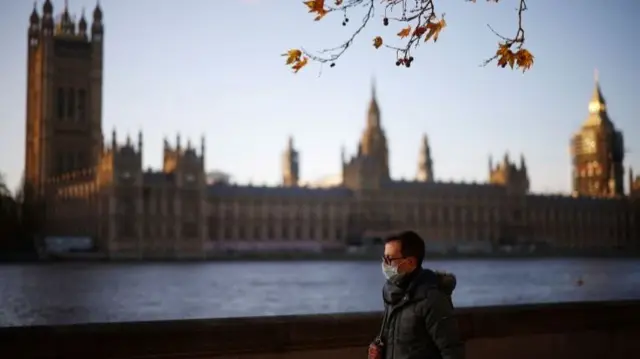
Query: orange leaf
(434,29)
(419,31)
(523,59)
(316,6)
(377,42)
(505,56)
(300,64)
(405,32)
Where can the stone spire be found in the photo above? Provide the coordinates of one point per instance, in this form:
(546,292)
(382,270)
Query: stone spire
(597,98)
(425,163)
(373,116)
(290,165)
(597,107)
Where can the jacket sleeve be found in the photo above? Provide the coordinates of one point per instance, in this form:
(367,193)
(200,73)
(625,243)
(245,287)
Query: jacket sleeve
(443,326)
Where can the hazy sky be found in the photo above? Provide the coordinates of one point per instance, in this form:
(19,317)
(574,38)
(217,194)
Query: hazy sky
(213,67)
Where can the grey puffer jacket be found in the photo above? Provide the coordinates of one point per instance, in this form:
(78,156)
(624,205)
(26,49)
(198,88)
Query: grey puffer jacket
(419,321)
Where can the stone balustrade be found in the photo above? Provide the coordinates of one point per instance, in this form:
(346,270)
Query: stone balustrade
(589,330)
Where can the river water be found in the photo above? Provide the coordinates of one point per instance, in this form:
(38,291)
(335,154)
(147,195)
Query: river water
(65,293)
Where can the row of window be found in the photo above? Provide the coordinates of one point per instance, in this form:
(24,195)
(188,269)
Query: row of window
(71,104)
(270,232)
(435,215)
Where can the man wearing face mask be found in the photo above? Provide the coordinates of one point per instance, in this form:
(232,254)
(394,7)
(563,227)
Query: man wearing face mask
(418,320)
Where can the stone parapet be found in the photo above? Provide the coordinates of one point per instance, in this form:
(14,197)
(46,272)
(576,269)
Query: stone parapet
(587,330)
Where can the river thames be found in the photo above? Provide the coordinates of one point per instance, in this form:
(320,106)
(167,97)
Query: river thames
(65,293)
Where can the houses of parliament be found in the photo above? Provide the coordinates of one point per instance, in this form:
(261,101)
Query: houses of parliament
(97,187)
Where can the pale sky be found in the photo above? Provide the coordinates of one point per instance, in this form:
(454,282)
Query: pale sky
(213,67)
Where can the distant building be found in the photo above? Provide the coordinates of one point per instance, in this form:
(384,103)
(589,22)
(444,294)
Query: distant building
(425,163)
(598,153)
(218,177)
(324,182)
(97,188)
(290,165)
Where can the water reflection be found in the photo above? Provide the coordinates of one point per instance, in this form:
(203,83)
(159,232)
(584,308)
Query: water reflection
(106,292)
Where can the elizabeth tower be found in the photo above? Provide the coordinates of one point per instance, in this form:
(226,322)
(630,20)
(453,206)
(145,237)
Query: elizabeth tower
(598,153)
(64,94)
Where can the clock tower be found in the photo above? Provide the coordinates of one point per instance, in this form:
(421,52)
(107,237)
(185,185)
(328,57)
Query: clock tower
(597,152)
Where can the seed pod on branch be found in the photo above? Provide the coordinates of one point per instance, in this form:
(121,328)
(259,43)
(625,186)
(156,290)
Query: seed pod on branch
(417,15)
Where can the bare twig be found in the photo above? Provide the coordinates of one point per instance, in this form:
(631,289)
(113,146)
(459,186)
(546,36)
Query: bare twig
(517,40)
(336,52)
(417,15)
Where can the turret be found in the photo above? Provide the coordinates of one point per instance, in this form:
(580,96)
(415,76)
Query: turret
(505,159)
(34,27)
(82,25)
(47,18)
(490,164)
(66,25)
(425,163)
(97,27)
(34,19)
(373,115)
(508,174)
(290,165)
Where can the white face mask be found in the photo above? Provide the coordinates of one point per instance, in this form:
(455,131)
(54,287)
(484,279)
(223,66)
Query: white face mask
(391,272)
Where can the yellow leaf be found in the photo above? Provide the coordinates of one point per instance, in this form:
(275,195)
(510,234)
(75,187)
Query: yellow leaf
(300,64)
(405,32)
(377,42)
(293,56)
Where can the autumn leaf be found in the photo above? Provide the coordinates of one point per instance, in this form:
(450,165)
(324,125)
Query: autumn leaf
(505,56)
(524,59)
(293,56)
(300,64)
(434,29)
(377,42)
(419,31)
(316,6)
(405,32)
(338,2)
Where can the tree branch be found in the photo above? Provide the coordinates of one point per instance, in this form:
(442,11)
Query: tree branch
(419,21)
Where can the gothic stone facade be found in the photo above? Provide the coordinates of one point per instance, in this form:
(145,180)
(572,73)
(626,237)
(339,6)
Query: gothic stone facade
(99,188)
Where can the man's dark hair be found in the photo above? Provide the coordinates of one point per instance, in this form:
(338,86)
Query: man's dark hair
(411,244)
